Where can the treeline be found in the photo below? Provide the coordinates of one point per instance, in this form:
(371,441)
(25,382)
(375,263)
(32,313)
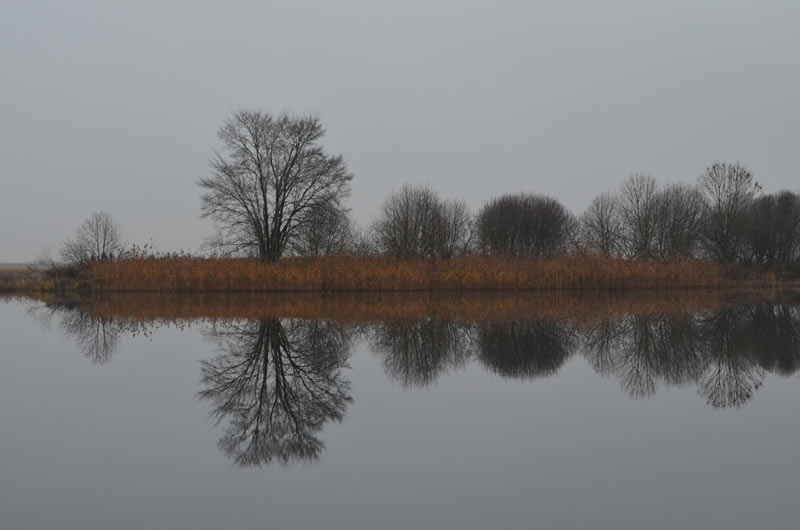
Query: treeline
(273,191)
(643,236)
(724,217)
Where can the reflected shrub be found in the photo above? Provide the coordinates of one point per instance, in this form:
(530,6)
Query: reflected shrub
(525,349)
(417,353)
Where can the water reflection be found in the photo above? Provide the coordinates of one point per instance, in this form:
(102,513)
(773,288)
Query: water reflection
(418,352)
(275,383)
(97,336)
(525,349)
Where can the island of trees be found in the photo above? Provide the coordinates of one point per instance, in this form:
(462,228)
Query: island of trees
(279,202)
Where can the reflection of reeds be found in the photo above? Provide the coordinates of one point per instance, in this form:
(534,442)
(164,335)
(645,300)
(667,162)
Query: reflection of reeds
(380,274)
(365,307)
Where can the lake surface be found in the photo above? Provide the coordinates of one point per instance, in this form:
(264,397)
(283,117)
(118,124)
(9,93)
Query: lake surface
(523,411)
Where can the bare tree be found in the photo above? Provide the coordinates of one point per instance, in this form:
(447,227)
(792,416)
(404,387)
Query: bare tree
(323,231)
(97,238)
(273,172)
(787,226)
(601,226)
(574,232)
(680,217)
(415,222)
(773,228)
(729,190)
(523,225)
(638,213)
(452,228)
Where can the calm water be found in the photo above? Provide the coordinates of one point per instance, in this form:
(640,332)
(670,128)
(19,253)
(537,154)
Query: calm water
(144,415)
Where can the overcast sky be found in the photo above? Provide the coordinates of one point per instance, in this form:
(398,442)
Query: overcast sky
(115,106)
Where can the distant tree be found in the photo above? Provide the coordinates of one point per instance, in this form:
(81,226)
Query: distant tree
(323,231)
(787,226)
(574,232)
(761,235)
(680,217)
(729,190)
(638,214)
(601,226)
(272,173)
(523,225)
(773,228)
(415,222)
(364,241)
(97,238)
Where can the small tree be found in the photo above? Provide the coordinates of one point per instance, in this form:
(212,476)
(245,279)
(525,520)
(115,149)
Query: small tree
(415,222)
(323,231)
(523,225)
(601,226)
(97,238)
(787,225)
(773,228)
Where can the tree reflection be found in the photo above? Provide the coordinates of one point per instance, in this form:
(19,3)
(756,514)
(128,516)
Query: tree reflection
(276,384)
(656,349)
(774,333)
(525,349)
(416,353)
(731,374)
(97,337)
(726,353)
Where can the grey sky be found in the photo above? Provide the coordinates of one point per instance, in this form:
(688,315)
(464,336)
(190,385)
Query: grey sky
(113,106)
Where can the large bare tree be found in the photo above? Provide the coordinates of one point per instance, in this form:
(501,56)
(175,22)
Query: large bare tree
(272,173)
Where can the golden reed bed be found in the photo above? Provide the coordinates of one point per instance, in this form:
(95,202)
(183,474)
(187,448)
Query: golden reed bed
(367,307)
(381,274)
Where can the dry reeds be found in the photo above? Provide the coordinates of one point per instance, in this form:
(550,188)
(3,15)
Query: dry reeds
(19,279)
(342,273)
